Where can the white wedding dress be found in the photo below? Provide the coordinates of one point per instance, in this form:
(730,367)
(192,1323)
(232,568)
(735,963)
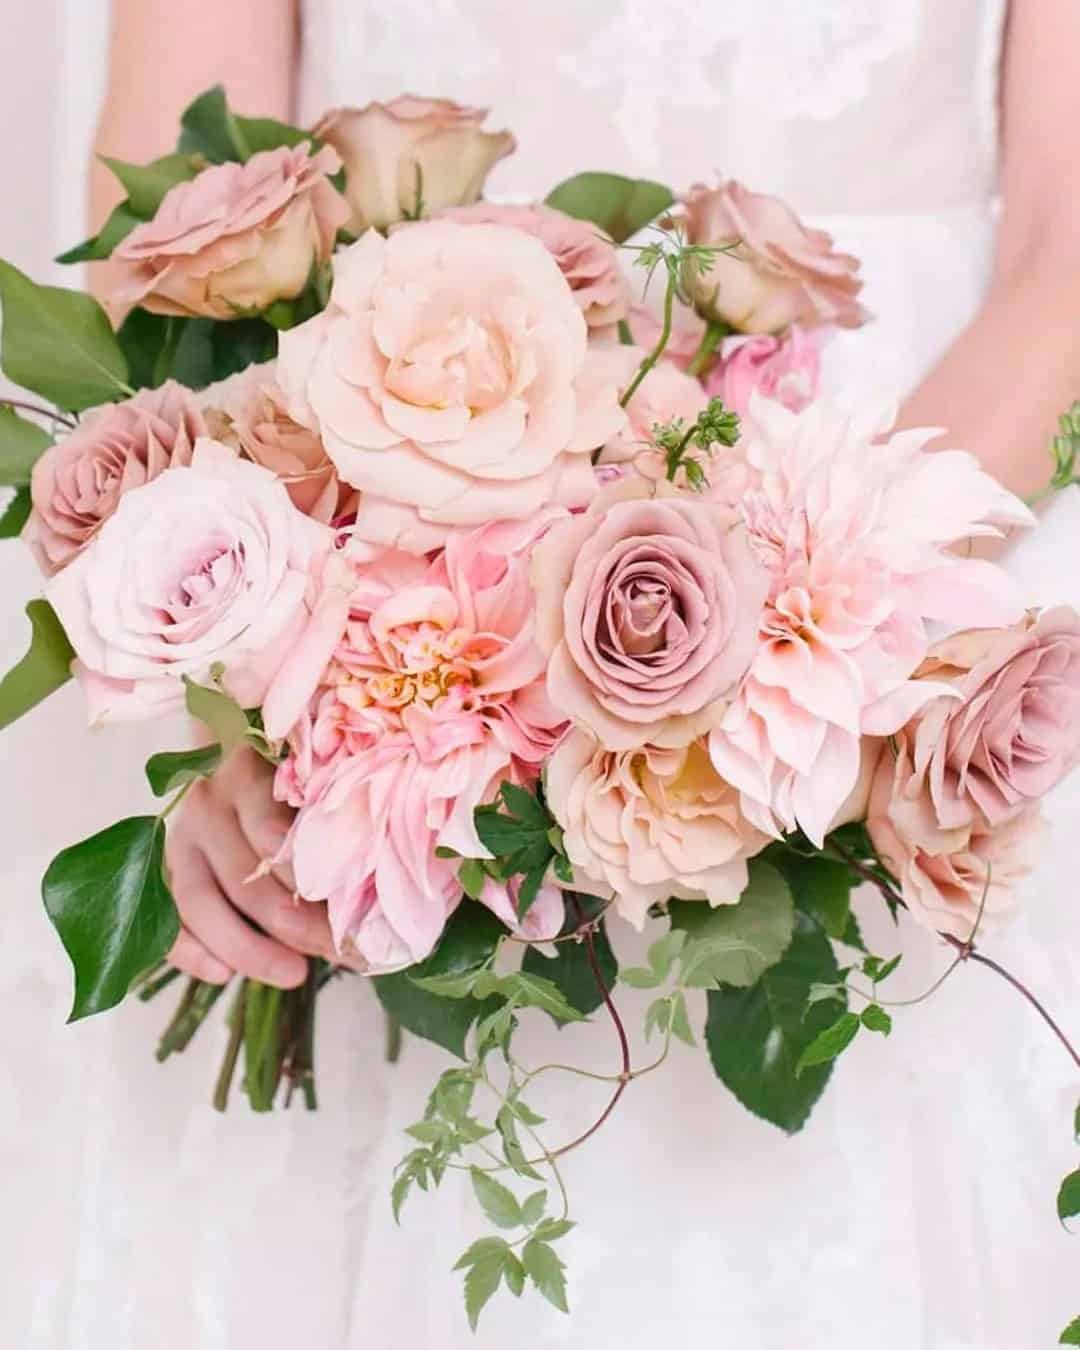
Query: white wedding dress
(916,1210)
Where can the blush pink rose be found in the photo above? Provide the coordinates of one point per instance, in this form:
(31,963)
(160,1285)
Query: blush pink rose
(235,238)
(648,604)
(778,273)
(247,411)
(665,394)
(586,256)
(787,369)
(410,152)
(451,376)
(205,566)
(77,483)
(647,824)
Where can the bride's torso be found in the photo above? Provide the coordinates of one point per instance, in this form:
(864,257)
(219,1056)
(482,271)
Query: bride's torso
(874,118)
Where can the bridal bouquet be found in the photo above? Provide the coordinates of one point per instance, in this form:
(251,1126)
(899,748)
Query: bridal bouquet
(554,612)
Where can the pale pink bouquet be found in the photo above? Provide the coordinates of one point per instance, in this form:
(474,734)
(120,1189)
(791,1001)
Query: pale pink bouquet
(553,612)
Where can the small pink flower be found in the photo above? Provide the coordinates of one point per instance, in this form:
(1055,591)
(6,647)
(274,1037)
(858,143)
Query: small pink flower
(786,369)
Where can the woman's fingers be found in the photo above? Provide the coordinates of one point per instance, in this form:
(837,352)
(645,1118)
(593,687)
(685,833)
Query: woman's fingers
(209,916)
(189,955)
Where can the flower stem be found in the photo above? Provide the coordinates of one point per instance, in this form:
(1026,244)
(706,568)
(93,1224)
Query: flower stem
(232,1050)
(196,1003)
(715,332)
(661,342)
(39,411)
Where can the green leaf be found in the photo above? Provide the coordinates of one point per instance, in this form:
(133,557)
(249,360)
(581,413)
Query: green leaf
(533,1206)
(467,943)
(536,991)
(238,343)
(483,1249)
(544,1268)
(108,899)
(734,944)
(455,985)
(15,514)
(875,1018)
(513,1274)
(1068,1200)
(640,977)
(756,1036)
(621,206)
(147,184)
(820,887)
(481,1281)
(216,710)
(45,667)
(264,133)
(661,955)
(473,878)
(526,807)
(571,972)
(210,129)
(499,1203)
(506,1124)
(1076,1125)
(1071,1334)
(680,1021)
(122,220)
(551,1229)
(657,1016)
(59,343)
(22,444)
(173,769)
(831,1042)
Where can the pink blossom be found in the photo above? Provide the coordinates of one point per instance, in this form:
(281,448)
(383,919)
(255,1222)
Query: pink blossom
(855,527)
(784,368)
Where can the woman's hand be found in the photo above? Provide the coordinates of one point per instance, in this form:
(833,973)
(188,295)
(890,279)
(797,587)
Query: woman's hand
(226,828)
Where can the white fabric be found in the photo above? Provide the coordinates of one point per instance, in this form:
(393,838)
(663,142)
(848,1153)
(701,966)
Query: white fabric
(916,1210)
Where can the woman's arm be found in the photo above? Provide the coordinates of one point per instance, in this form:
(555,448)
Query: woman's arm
(1000,387)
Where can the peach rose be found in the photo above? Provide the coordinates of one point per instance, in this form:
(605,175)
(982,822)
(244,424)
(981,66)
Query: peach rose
(778,274)
(648,606)
(77,484)
(450,375)
(247,411)
(586,256)
(235,238)
(947,876)
(205,566)
(410,150)
(649,824)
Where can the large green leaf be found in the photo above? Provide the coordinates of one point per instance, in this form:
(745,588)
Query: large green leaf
(570,970)
(621,206)
(44,668)
(209,128)
(172,769)
(108,899)
(264,133)
(59,343)
(216,710)
(756,1036)
(147,184)
(734,944)
(15,514)
(821,887)
(118,226)
(1068,1201)
(22,444)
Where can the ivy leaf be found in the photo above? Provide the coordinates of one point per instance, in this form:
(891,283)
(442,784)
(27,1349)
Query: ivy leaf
(1068,1200)
(1071,1334)
(734,944)
(756,1036)
(875,1018)
(109,902)
(620,206)
(216,710)
(496,1200)
(15,514)
(543,1267)
(59,343)
(146,185)
(45,667)
(173,769)
(831,1042)
(571,972)
(22,444)
(821,887)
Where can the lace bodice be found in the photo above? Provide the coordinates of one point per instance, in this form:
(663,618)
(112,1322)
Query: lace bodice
(838,105)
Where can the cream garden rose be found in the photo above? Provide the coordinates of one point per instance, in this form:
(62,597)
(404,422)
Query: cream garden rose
(450,378)
(410,152)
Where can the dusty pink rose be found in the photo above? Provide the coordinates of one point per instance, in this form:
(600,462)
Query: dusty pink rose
(77,484)
(786,369)
(856,528)
(1014,731)
(648,604)
(647,824)
(947,876)
(411,151)
(778,273)
(406,713)
(235,238)
(247,411)
(450,375)
(586,256)
(206,565)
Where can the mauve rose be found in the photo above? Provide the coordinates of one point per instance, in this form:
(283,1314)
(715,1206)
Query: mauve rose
(587,258)
(247,411)
(77,484)
(235,238)
(779,272)
(647,824)
(1014,732)
(394,153)
(648,605)
(206,565)
(786,369)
